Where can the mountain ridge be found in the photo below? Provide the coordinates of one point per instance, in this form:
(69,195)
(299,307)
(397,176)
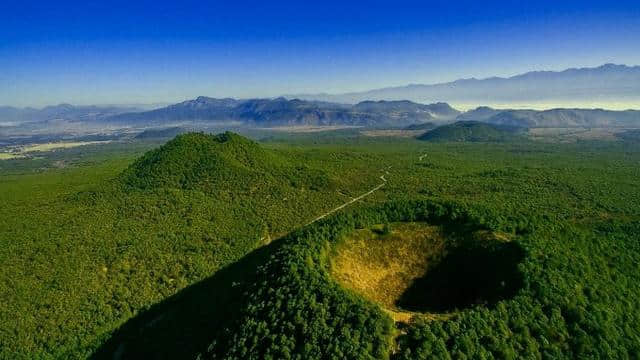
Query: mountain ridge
(61,111)
(559,117)
(292,112)
(607,83)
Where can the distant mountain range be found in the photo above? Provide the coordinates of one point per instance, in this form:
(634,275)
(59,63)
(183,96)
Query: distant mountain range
(11,115)
(554,117)
(211,112)
(606,84)
(295,112)
(388,107)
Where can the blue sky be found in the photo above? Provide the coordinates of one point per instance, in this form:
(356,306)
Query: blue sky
(111,52)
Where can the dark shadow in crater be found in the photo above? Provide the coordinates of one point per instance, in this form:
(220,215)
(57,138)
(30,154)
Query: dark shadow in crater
(480,272)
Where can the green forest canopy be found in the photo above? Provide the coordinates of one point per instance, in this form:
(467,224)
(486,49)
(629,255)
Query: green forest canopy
(172,264)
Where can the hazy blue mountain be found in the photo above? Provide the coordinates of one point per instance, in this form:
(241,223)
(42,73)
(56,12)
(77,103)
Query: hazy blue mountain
(406,109)
(554,117)
(480,113)
(13,115)
(283,112)
(201,108)
(606,83)
(295,112)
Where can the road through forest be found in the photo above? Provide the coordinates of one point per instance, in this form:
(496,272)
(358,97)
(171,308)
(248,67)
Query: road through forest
(384,181)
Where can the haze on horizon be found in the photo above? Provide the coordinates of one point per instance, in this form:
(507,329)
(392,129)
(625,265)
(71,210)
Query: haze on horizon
(156,52)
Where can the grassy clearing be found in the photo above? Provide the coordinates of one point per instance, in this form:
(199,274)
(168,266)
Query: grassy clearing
(60,145)
(381,266)
(406,268)
(7,156)
(26,151)
(393,133)
(572,135)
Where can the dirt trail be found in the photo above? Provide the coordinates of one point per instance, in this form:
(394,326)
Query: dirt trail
(384,181)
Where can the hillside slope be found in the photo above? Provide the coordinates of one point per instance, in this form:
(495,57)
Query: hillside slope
(471,131)
(213,163)
(102,243)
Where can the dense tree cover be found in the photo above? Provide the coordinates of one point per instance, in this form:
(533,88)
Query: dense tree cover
(577,219)
(566,313)
(472,131)
(296,311)
(554,314)
(209,163)
(579,277)
(83,251)
(102,253)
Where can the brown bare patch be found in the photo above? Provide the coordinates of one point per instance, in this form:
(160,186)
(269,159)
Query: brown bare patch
(382,266)
(412,270)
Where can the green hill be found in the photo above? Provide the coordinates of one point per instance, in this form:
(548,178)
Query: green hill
(471,131)
(223,162)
